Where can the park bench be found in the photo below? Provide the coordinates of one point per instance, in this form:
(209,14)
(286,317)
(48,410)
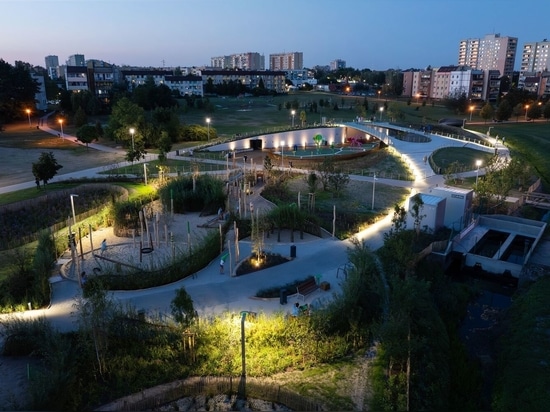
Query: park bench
(306,287)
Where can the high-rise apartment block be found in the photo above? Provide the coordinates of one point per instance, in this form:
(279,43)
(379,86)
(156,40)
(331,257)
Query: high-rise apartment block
(337,64)
(286,61)
(242,61)
(76,60)
(52,66)
(491,52)
(534,58)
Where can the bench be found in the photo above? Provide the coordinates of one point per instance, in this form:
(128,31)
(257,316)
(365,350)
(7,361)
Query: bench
(306,287)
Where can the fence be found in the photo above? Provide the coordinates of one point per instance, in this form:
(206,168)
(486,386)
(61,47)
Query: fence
(26,239)
(255,388)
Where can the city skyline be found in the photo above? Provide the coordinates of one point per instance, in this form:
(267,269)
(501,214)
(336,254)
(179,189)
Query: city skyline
(373,34)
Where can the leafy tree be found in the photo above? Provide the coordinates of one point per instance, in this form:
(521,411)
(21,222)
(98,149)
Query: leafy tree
(17,90)
(546,111)
(518,110)
(303,117)
(504,110)
(125,115)
(312,181)
(534,111)
(182,308)
(487,112)
(87,134)
(338,181)
(46,167)
(80,118)
(164,145)
(326,168)
(416,205)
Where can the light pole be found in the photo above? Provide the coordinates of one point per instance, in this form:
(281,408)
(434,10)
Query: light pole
(373,186)
(417,98)
(29,116)
(282,153)
(61,124)
(208,125)
(244,313)
(381,110)
(72,207)
(132,131)
(471,111)
(478,164)
(293,114)
(526,108)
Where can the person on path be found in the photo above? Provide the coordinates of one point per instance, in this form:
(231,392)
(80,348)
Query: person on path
(103,246)
(221,266)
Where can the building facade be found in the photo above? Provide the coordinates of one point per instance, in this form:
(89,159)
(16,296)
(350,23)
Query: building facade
(76,60)
(286,61)
(242,61)
(272,80)
(491,52)
(337,64)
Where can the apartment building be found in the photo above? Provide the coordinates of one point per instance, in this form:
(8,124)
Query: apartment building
(417,83)
(337,64)
(76,60)
(242,61)
(491,52)
(76,78)
(135,78)
(52,66)
(185,84)
(272,80)
(441,82)
(286,61)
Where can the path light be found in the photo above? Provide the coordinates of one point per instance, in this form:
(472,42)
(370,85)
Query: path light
(293,114)
(478,164)
(132,131)
(526,108)
(471,111)
(251,316)
(208,125)
(61,124)
(29,116)
(381,110)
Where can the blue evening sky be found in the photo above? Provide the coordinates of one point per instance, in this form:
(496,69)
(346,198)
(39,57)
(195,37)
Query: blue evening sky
(374,34)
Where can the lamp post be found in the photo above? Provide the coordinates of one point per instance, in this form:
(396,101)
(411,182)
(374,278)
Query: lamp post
(132,131)
(72,208)
(61,125)
(478,164)
(417,98)
(282,153)
(244,313)
(471,111)
(381,110)
(526,108)
(208,125)
(29,116)
(293,113)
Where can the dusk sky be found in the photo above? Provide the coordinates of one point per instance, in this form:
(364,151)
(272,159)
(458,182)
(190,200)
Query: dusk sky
(374,34)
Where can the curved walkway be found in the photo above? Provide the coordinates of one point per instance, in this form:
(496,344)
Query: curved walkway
(213,293)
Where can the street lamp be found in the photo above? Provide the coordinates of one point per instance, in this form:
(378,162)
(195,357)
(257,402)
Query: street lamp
(526,108)
(282,153)
(208,125)
(61,124)
(72,207)
(478,164)
(381,110)
(417,98)
(29,116)
(293,114)
(251,315)
(132,131)
(471,111)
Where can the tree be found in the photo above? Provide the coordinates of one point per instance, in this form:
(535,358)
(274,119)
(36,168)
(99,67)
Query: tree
(416,206)
(546,111)
(303,117)
(338,181)
(87,134)
(164,145)
(17,90)
(326,168)
(487,112)
(80,118)
(504,110)
(182,308)
(46,167)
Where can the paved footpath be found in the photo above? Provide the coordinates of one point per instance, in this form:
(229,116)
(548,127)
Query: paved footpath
(213,293)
